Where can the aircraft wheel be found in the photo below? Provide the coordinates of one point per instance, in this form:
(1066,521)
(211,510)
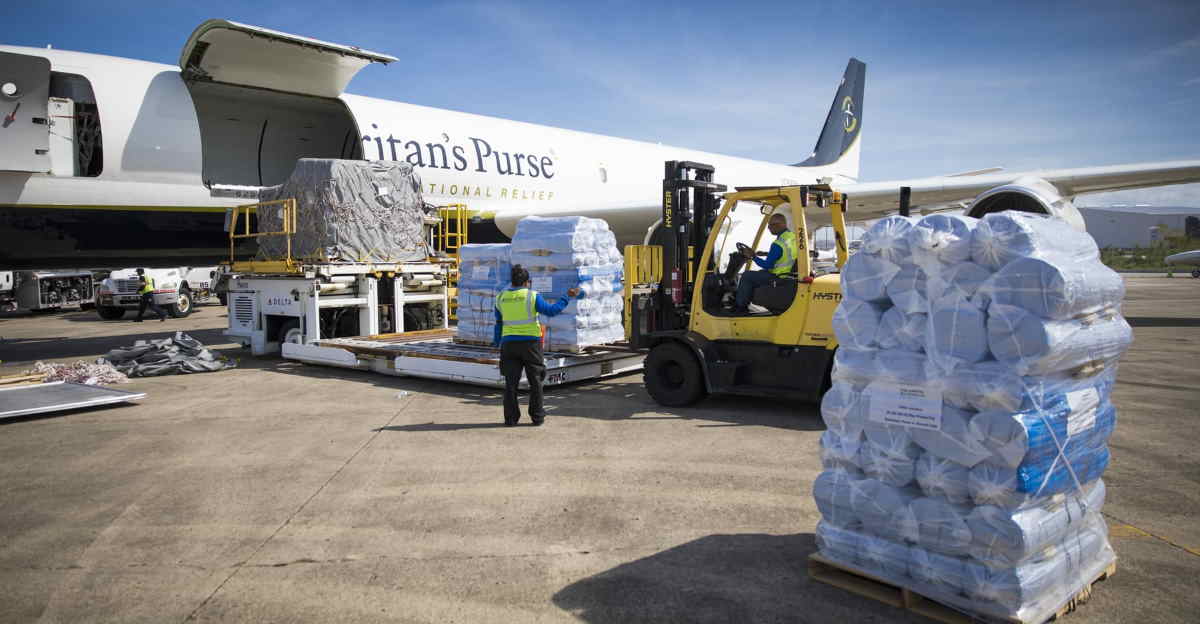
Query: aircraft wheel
(673,376)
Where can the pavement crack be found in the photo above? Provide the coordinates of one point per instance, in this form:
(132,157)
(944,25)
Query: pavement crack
(1167,540)
(243,564)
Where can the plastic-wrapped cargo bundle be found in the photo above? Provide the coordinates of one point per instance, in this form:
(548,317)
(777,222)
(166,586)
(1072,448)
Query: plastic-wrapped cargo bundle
(957,334)
(993,385)
(941,240)
(841,453)
(1053,576)
(561,253)
(839,543)
(941,526)
(1003,537)
(348,210)
(1077,421)
(898,330)
(941,573)
(942,478)
(883,557)
(963,279)
(884,510)
(842,410)
(834,491)
(484,271)
(865,277)
(1055,287)
(953,438)
(887,239)
(1031,345)
(856,323)
(1002,237)
(907,290)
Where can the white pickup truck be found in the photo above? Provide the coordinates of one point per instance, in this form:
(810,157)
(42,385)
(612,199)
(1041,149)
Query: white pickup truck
(176,289)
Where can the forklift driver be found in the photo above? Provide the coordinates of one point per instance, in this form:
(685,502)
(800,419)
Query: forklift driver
(779,262)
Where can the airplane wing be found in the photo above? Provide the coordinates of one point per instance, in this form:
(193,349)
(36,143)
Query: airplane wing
(871,200)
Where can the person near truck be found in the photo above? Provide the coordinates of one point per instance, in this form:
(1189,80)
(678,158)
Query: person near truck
(780,261)
(519,336)
(146,290)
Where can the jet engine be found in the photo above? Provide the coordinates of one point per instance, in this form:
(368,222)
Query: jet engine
(1028,194)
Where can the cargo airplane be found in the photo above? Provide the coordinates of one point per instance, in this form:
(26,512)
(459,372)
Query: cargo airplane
(108,161)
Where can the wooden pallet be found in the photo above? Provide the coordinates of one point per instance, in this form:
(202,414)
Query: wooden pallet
(864,584)
(22,380)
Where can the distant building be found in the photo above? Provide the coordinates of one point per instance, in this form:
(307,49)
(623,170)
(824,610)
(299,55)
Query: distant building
(1129,225)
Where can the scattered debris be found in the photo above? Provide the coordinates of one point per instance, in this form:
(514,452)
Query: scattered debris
(169,356)
(95,373)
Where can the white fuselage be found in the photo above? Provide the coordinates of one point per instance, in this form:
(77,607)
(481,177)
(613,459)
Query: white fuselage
(153,155)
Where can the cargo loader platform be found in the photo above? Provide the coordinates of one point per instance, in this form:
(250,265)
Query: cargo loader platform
(434,355)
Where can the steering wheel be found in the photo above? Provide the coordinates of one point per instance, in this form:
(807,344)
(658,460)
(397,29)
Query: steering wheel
(743,248)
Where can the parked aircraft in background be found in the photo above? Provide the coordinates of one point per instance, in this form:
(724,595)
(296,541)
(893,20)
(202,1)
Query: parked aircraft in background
(112,161)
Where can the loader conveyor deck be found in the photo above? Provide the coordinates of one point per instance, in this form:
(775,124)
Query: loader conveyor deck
(434,355)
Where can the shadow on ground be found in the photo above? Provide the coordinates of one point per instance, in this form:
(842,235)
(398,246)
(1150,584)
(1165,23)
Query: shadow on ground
(616,398)
(1162,321)
(719,578)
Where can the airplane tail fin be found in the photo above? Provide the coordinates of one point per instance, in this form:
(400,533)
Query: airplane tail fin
(839,137)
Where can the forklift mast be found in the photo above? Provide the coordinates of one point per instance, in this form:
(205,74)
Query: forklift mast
(689,211)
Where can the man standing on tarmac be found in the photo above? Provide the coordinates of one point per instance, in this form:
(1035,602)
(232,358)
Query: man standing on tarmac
(519,336)
(147,292)
(780,261)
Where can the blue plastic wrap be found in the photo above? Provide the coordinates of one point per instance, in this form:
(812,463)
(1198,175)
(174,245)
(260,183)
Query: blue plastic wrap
(484,270)
(833,490)
(865,277)
(842,410)
(994,385)
(884,510)
(957,334)
(942,478)
(941,526)
(941,572)
(1034,436)
(953,439)
(841,453)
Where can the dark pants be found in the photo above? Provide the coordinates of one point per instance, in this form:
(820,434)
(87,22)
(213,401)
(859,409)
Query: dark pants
(517,356)
(751,280)
(148,300)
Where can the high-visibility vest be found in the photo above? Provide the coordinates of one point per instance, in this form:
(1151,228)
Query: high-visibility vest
(786,262)
(148,286)
(518,312)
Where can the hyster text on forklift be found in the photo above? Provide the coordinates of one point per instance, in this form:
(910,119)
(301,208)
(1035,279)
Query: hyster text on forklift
(679,301)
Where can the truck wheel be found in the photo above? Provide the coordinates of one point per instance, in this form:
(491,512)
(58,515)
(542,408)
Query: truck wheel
(1196,273)
(183,304)
(673,376)
(110,313)
(290,332)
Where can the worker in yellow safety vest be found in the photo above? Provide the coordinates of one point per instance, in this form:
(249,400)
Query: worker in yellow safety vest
(146,290)
(780,261)
(519,336)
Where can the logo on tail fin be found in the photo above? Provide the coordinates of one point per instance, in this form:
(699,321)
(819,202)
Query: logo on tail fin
(850,122)
(843,124)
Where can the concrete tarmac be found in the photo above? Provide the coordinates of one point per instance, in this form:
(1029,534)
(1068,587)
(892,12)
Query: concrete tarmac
(282,492)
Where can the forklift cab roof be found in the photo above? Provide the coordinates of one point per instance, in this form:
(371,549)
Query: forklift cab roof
(251,56)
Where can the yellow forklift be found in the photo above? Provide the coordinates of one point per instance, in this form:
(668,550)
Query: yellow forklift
(679,300)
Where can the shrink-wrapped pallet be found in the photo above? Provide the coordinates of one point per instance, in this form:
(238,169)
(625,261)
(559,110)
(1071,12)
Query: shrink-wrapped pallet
(562,253)
(982,437)
(484,270)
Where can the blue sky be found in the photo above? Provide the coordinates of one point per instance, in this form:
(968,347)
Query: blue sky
(950,86)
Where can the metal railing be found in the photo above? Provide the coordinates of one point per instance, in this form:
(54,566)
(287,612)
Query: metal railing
(288,209)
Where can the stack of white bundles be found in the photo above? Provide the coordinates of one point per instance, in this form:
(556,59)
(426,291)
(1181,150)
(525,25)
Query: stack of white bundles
(483,271)
(970,412)
(561,253)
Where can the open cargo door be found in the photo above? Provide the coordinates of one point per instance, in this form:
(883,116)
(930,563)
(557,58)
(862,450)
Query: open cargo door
(232,53)
(24,122)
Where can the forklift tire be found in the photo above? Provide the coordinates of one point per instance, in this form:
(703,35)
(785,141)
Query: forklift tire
(673,376)
(290,332)
(110,313)
(183,304)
